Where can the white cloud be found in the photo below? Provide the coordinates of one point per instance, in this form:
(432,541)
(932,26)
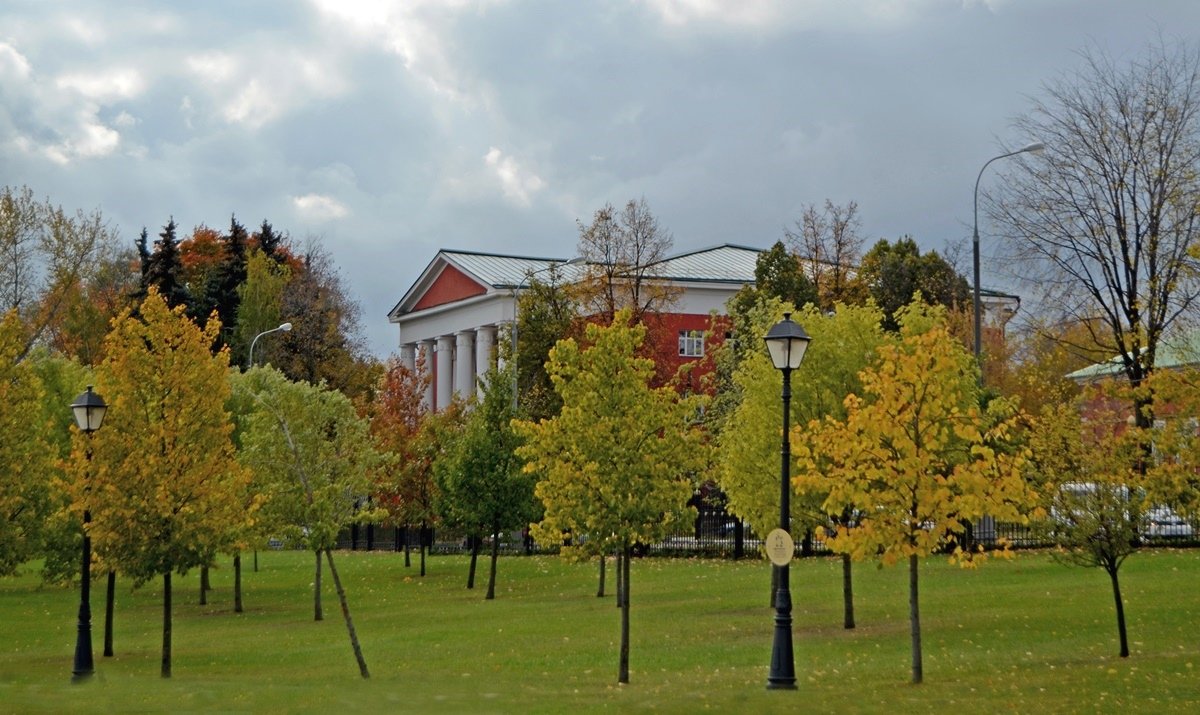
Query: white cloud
(258,86)
(318,207)
(12,63)
(88,141)
(104,86)
(212,67)
(518,185)
(414,31)
(772,15)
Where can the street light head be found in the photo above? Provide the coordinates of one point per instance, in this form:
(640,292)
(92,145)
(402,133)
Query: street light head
(787,343)
(1034,148)
(285,327)
(89,409)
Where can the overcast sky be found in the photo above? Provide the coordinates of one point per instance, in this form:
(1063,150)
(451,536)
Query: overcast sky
(393,129)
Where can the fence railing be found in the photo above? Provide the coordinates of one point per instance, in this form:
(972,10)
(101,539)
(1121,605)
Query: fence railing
(714,534)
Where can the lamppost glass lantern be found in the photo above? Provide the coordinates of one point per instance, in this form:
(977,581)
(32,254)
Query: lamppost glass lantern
(89,409)
(786,342)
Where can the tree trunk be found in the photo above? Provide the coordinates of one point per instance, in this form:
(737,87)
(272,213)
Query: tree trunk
(491,592)
(256,561)
(603,563)
(237,582)
(423,539)
(204,586)
(623,597)
(341,593)
(166,642)
(847,593)
(317,614)
(914,615)
(407,552)
(111,597)
(474,540)
(622,555)
(1116,586)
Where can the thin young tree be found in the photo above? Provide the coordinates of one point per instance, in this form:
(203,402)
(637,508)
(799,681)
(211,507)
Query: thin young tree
(481,478)
(914,459)
(616,466)
(315,452)
(163,484)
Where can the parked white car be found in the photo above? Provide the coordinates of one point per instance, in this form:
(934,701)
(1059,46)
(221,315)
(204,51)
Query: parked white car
(1162,523)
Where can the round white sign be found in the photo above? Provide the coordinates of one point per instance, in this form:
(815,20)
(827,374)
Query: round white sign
(780,547)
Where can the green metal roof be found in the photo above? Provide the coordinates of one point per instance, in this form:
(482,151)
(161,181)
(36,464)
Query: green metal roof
(1183,351)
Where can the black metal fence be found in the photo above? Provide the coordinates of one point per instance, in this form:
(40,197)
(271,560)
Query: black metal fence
(714,533)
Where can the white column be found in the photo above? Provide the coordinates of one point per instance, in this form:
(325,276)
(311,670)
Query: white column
(485,339)
(408,356)
(445,368)
(427,370)
(464,368)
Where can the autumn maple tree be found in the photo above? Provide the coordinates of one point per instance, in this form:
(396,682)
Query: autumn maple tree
(914,458)
(616,466)
(403,428)
(163,483)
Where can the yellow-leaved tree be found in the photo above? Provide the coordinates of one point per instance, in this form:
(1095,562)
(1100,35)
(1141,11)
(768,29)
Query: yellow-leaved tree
(163,487)
(914,458)
(843,342)
(25,497)
(617,465)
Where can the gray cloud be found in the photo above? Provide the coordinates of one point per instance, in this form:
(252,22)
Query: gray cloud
(391,129)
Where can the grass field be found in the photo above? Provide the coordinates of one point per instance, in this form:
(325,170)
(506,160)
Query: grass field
(1027,635)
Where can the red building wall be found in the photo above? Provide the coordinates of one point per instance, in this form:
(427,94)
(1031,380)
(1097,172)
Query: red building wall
(450,285)
(662,336)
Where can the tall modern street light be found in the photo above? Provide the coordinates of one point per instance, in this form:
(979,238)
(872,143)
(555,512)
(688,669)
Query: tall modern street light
(285,327)
(1036,148)
(89,411)
(787,342)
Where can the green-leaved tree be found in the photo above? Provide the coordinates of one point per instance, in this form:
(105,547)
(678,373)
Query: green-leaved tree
(616,466)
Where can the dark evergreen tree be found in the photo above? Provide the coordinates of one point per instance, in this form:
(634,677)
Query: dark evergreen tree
(270,242)
(220,290)
(164,268)
(143,254)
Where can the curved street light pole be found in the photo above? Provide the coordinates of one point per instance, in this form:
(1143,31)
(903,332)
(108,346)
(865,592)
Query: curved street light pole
(1036,148)
(285,327)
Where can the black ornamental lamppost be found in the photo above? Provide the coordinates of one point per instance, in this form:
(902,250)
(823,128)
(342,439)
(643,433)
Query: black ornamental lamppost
(786,342)
(89,409)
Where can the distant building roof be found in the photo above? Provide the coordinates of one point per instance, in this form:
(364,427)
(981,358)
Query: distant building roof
(1181,351)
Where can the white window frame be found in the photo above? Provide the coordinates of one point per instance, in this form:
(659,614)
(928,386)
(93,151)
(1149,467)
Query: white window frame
(691,343)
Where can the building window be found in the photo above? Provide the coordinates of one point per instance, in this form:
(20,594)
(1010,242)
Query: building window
(691,343)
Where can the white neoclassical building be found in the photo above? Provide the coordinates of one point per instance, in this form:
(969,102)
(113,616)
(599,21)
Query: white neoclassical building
(464,303)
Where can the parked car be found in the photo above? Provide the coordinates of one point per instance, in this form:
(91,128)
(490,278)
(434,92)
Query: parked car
(1163,523)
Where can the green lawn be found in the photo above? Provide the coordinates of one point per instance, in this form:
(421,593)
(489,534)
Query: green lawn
(1026,635)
